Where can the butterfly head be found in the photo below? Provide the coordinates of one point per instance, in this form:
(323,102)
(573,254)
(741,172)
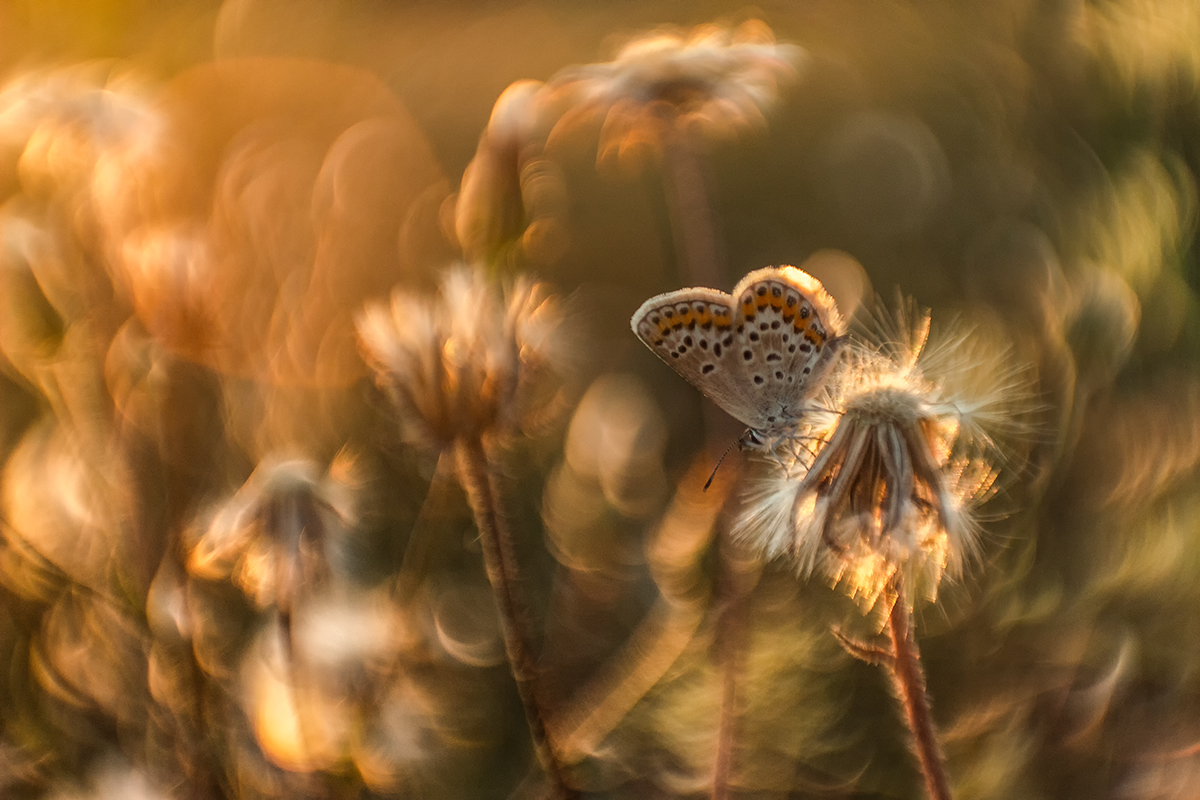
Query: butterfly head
(755,439)
(751,439)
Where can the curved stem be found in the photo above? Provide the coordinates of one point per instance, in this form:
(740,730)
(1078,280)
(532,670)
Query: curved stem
(910,685)
(499,559)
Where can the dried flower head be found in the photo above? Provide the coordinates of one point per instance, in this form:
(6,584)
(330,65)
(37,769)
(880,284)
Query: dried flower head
(469,363)
(271,536)
(710,82)
(882,483)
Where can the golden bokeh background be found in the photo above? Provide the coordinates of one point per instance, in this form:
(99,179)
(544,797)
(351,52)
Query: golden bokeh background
(197,200)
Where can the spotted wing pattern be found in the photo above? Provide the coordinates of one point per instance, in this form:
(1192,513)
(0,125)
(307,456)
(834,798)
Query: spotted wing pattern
(759,353)
(693,331)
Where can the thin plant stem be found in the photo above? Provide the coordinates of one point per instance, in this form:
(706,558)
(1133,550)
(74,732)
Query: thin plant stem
(910,686)
(730,645)
(737,577)
(499,560)
(691,215)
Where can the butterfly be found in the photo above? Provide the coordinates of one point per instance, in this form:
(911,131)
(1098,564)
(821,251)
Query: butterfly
(759,353)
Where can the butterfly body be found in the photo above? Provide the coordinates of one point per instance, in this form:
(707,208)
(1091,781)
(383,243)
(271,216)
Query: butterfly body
(759,354)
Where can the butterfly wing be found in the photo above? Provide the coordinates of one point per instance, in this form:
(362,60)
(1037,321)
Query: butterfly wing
(693,331)
(759,353)
(789,333)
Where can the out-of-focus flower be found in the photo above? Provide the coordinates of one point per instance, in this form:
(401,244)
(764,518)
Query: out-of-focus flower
(71,121)
(510,192)
(883,483)
(90,655)
(305,719)
(272,536)
(68,495)
(470,363)
(463,370)
(63,132)
(114,778)
(710,83)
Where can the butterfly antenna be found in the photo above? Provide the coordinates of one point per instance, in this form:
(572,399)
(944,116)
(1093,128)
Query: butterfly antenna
(708,483)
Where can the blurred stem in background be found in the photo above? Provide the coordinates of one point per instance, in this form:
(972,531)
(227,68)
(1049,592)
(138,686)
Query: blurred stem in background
(737,577)
(500,561)
(697,252)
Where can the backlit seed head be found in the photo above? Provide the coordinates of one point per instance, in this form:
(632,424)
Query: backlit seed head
(883,481)
(476,360)
(711,83)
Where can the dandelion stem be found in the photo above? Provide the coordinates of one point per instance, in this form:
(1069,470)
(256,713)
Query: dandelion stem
(499,560)
(910,685)
(733,589)
(691,214)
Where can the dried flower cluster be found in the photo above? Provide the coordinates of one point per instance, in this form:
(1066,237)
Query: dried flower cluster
(469,363)
(883,481)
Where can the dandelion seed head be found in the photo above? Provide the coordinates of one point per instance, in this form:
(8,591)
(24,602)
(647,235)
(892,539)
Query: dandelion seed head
(471,362)
(711,82)
(881,482)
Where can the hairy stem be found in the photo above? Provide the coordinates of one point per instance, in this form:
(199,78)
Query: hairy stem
(910,686)
(499,560)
